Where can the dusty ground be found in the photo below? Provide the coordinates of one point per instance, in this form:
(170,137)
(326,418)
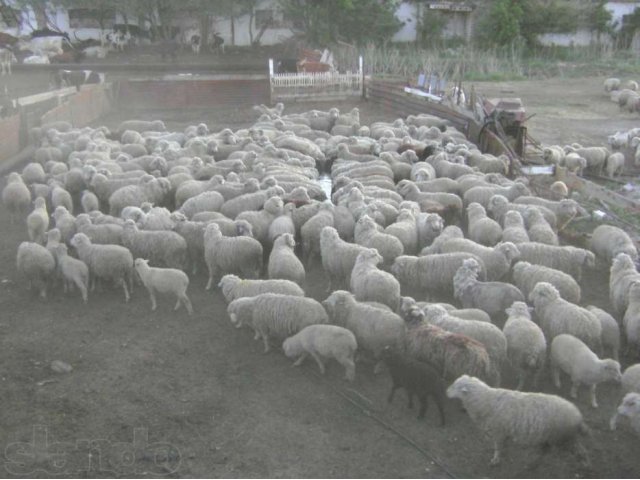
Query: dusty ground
(164,394)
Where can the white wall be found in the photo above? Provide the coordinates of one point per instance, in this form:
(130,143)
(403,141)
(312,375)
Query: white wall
(407,13)
(619,9)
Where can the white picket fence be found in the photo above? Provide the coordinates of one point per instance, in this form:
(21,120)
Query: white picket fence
(287,86)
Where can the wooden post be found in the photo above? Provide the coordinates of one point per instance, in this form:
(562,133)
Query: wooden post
(361,68)
(271,81)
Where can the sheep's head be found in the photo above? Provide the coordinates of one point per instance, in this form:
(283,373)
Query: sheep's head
(227,283)
(236,308)
(464,387)
(434,312)
(519,309)
(366,223)
(286,239)
(520,189)
(497,202)
(211,232)
(474,209)
(243,228)
(328,234)
(273,205)
(337,301)
(630,405)
(588,258)
(79,240)
(611,369)
(543,293)
(53,235)
(512,218)
(370,256)
(509,250)
(519,268)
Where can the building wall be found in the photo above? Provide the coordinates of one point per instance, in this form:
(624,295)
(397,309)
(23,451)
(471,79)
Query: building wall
(407,13)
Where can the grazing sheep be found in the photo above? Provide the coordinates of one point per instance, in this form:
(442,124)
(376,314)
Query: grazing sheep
(338,257)
(374,328)
(283,315)
(621,275)
(572,356)
(522,418)
(570,260)
(367,234)
(608,241)
(497,260)
(159,247)
(482,229)
(110,262)
(514,230)
(164,280)
(557,316)
(526,345)
(310,232)
(322,342)
(74,271)
(38,221)
(539,229)
(631,319)
(417,378)
(491,297)
(231,254)
(368,283)
(283,262)
(37,265)
(615,164)
(610,331)
(630,408)
(16,196)
(526,276)
(233,287)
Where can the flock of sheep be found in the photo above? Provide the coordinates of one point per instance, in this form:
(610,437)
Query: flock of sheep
(415,209)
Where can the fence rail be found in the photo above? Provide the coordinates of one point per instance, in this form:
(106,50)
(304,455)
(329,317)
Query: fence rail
(317,85)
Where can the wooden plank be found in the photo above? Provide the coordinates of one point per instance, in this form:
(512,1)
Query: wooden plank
(43,97)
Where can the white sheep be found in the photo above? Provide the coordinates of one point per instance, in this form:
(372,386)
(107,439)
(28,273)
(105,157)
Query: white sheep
(110,262)
(572,356)
(60,197)
(559,190)
(405,229)
(234,287)
(368,283)
(38,221)
(283,262)
(482,229)
(310,232)
(610,331)
(283,224)
(529,419)
(539,229)
(338,257)
(608,241)
(89,201)
(159,247)
(630,408)
(321,342)
(374,328)
(526,275)
(16,196)
(231,254)
(615,164)
(367,234)
(514,230)
(283,315)
(631,319)
(261,220)
(37,265)
(558,316)
(105,234)
(621,275)
(164,280)
(611,84)
(526,345)
(74,271)
(570,260)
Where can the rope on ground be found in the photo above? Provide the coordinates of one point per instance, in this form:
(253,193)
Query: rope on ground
(387,425)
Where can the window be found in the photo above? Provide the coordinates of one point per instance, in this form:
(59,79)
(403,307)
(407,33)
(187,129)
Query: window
(90,18)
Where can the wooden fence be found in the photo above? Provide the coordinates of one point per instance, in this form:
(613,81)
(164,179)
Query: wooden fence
(315,86)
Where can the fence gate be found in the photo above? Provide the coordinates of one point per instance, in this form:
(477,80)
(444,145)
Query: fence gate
(316,86)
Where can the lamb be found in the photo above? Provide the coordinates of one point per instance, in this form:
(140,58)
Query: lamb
(111,262)
(431,273)
(526,345)
(622,273)
(374,328)
(630,408)
(491,297)
(417,378)
(310,231)
(486,333)
(366,234)
(523,418)
(234,287)
(37,265)
(159,247)
(610,331)
(74,271)
(574,163)
(16,196)
(514,230)
(482,229)
(231,254)
(573,357)
(608,241)
(527,275)
(539,230)
(631,319)
(38,221)
(615,164)
(321,342)
(570,260)
(283,315)
(595,157)
(283,262)
(164,280)
(557,316)
(497,260)
(368,283)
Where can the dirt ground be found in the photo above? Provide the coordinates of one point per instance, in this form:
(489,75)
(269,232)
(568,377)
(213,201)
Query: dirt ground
(165,394)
